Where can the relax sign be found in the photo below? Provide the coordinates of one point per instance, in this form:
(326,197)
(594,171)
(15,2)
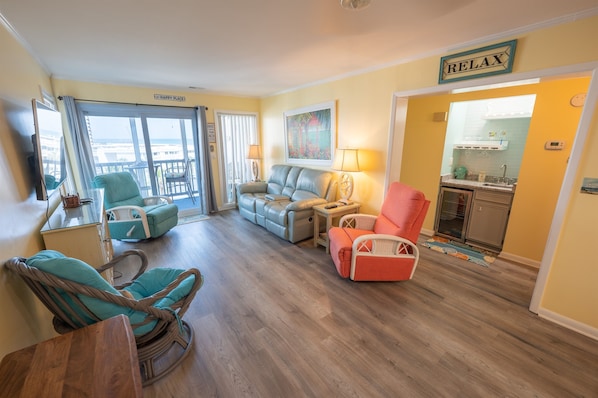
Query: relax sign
(486,61)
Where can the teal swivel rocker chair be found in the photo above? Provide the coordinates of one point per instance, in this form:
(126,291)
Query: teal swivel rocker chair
(154,300)
(130,216)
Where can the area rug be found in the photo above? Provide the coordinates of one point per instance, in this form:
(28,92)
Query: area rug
(194,218)
(459,250)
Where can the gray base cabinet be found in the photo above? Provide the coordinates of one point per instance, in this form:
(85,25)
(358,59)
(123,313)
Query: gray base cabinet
(488,218)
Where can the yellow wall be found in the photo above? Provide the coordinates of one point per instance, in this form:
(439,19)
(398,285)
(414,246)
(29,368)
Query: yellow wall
(363,107)
(24,320)
(541,172)
(571,289)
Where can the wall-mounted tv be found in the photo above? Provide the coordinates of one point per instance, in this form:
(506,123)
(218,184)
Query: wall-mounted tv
(48,150)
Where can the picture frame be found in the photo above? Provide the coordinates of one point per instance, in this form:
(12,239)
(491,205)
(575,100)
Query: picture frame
(310,134)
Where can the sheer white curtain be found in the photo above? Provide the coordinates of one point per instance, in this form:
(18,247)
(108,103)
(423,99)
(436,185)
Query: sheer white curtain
(236,131)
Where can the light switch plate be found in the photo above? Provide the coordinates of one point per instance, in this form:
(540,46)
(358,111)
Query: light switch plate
(554,145)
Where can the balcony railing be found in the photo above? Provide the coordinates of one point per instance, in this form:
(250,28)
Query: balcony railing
(141,174)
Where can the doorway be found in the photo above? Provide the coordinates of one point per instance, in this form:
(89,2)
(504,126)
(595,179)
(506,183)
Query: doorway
(397,133)
(155,144)
(236,131)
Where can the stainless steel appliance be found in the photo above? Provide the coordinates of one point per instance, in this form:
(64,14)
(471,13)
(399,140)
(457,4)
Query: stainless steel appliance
(453,212)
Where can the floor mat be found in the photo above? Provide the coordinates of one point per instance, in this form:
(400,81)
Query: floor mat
(459,250)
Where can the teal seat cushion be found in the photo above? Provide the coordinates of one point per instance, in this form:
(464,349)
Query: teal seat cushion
(75,270)
(148,284)
(162,212)
(156,280)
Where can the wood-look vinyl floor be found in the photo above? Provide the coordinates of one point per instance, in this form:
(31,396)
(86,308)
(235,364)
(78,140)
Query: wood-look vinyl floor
(274,319)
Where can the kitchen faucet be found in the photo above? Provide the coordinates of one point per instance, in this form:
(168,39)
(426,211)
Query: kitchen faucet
(504,173)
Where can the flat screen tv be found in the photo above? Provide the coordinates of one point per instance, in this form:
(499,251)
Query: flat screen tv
(48,150)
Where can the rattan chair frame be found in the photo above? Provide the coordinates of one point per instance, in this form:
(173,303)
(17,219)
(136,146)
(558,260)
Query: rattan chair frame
(160,342)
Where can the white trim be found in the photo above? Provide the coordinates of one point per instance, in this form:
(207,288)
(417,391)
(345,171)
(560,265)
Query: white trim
(569,323)
(23,43)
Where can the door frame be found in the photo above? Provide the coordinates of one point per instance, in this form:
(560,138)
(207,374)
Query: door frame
(144,112)
(397,135)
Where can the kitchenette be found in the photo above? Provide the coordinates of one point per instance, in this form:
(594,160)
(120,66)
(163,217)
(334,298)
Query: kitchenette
(484,145)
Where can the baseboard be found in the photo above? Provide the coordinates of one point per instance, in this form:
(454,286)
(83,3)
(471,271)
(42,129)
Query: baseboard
(519,260)
(569,323)
(427,232)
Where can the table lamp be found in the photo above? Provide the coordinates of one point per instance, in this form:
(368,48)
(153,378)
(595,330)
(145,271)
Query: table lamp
(255,153)
(346,161)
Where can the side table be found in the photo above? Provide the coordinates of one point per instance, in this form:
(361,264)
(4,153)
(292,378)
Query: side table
(320,211)
(95,361)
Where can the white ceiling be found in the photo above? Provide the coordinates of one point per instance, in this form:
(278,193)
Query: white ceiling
(259,47)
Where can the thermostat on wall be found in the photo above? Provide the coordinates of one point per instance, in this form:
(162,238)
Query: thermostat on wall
(554,145)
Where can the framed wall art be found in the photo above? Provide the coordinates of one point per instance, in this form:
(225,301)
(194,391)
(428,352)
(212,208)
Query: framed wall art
(310,134)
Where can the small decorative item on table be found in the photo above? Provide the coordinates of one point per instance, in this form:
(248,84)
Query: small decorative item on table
(71,201)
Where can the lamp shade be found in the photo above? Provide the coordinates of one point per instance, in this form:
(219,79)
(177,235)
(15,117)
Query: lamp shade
(346,160)
(255,152)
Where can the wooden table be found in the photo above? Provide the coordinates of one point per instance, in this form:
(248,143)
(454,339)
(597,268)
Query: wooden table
(329,214)
(96,361)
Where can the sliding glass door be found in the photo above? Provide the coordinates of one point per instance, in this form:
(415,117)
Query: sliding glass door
(236,131)
(155,144)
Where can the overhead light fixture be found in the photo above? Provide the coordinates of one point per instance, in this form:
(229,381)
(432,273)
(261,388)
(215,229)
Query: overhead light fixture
(355,4)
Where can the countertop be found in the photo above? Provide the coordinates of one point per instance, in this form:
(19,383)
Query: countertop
(469,184)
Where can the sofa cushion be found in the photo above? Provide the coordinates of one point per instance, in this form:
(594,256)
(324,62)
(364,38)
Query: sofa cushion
(271,196)
(291,183)
(247,200)
(312,184)
(278,178)
(276,211)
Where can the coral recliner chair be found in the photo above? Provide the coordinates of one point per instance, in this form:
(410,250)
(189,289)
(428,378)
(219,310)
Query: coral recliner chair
(131,216)
(381,248)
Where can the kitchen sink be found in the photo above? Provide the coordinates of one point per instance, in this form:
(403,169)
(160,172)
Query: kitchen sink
(498,185)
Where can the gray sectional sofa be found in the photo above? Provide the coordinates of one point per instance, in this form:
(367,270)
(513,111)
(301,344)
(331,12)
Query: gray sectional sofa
(283,204)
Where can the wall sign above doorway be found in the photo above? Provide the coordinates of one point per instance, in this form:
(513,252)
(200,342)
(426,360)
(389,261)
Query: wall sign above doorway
(164,97)
(486,61)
